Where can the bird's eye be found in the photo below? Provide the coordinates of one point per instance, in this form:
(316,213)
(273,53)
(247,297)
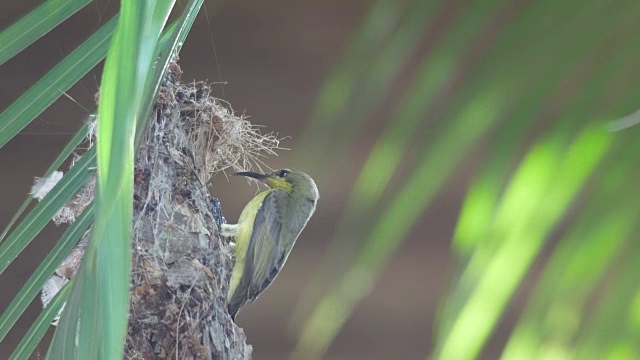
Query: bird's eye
(283,173)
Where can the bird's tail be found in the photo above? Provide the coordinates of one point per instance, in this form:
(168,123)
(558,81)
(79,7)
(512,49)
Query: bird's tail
(235,304)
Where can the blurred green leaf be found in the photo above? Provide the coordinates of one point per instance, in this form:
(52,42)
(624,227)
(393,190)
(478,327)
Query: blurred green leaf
(377,75)
(571,273)
(558,305)
(536,198)
(389,151)
(549,55)
(394,224)
(430,85)
(611,332)
(379,22)
(491,233)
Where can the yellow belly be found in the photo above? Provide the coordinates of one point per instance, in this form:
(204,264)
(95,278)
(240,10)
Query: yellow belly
(243,238)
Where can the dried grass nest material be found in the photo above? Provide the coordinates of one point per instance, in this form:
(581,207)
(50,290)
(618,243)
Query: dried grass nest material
(180,266)
(219,138)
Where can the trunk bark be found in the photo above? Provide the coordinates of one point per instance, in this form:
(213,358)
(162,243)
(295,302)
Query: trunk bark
(180,265)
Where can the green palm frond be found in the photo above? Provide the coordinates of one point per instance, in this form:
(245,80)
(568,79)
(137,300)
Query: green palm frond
(132,77)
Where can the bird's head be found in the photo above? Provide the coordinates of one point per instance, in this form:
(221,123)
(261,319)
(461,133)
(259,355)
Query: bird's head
(291,180)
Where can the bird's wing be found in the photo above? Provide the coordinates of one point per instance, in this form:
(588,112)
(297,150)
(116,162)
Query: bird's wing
(265,241)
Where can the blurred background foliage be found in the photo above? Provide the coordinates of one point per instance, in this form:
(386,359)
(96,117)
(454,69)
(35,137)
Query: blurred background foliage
(538,83)
(519,103)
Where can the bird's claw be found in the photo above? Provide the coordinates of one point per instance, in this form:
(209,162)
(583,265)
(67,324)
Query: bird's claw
(216,211)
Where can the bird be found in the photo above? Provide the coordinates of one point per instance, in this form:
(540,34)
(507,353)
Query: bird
(266,232)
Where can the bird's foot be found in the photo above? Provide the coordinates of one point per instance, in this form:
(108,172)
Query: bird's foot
(216,211)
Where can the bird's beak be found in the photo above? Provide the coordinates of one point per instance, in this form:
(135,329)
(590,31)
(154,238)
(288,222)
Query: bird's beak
(256,176)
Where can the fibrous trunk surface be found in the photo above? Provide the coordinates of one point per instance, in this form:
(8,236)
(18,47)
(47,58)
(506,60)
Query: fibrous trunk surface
(180,264)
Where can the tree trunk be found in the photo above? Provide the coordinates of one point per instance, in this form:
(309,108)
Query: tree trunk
(180,264)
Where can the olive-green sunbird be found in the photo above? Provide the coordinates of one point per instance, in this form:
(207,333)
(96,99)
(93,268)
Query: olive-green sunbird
(266,232)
